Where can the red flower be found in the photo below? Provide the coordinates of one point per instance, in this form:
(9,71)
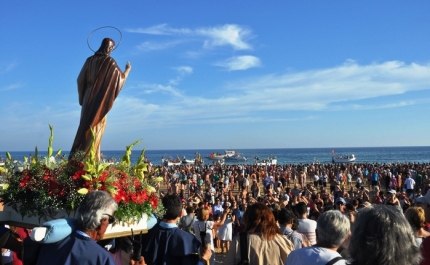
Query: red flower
(24,181)
(154,201)
(104,176)
(78,174)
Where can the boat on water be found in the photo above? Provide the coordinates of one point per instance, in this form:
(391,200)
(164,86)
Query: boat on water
(343,159)
(188,161)
(216,156)
(270,161)
(219,156)
(170,162)
(236,157)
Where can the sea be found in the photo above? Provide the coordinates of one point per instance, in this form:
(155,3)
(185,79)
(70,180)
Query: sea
(379,155)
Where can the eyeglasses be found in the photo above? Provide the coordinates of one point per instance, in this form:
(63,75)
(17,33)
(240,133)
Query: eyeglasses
(111,218)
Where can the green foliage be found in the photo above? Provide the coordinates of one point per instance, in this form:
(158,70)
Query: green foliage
(49,184)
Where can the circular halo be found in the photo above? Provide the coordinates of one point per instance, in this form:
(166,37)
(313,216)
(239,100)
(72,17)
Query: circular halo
(89,36)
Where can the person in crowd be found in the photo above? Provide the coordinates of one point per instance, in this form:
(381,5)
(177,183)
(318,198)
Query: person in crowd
(238,213)
(286,219)
(225,232)
(186,222)
(94,215)
(166,244)
(416,218)
(306,226)
(340,204)
(266,242)
(204,225)
(382,235)
(410,185)
(217,208)
(392,199)
(333,228)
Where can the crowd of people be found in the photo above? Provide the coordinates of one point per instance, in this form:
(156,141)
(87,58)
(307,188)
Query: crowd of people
(285,214)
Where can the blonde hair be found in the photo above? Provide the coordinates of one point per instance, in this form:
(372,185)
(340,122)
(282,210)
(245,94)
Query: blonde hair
(203,214)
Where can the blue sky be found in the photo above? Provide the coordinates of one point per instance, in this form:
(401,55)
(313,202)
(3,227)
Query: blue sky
(222,74)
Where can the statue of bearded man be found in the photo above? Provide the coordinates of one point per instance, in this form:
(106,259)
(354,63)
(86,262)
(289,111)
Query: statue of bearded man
(99,83)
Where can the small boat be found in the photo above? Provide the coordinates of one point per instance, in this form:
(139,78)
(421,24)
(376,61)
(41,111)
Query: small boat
(219,156)
(343,159)
(188,161)
(270,161)
(170,162)
(229,153)
(110,161)
(237,157)
(216,156)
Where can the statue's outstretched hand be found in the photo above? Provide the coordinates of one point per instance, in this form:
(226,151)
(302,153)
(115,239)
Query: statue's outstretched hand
(128,66)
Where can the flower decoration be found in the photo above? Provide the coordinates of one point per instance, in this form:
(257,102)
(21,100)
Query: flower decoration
(48,184)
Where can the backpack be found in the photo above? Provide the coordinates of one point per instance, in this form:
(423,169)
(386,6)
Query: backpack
(189,227)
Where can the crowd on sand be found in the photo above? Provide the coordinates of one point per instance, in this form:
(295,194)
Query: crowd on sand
(281,214)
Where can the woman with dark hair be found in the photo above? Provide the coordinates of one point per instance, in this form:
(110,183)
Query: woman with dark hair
(266,242)
(382,235)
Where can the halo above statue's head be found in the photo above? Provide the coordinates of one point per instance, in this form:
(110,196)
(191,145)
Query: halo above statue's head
(89,36)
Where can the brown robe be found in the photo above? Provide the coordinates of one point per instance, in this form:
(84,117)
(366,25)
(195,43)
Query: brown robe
(99,83)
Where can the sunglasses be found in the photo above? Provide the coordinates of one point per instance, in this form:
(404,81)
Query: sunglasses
(111,218)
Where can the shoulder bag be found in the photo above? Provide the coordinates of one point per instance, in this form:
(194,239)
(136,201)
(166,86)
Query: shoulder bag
(243,249)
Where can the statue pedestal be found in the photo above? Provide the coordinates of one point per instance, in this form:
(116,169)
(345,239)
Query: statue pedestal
(119,229)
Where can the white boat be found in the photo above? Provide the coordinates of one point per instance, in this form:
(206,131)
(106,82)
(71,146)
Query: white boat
(219,156)
(229,153)
(188,161)
(270,161)
(170,162)
(237,157)
(343,159)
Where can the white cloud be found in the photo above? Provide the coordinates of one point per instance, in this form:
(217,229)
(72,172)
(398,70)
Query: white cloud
(12,87)
(226,35)
(154,46)
(8,67)
(182,71)
(232,35)
(346,87)
(160,29)
(156,88)
(240,63)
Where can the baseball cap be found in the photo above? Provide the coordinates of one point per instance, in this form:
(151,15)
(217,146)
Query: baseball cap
(286,197)
(340,199)
(196,201)
(392,191)
(420,199)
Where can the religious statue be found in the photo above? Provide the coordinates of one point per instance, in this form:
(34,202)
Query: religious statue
(99,83)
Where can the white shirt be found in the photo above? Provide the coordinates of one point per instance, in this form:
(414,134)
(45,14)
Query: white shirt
(209,226)
(410,183)
(308,227)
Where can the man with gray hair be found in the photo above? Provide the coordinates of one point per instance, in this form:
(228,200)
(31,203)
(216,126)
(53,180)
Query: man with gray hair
(94,215)
(332,229)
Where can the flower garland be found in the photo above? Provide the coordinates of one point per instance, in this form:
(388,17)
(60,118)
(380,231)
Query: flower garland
(46,185)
